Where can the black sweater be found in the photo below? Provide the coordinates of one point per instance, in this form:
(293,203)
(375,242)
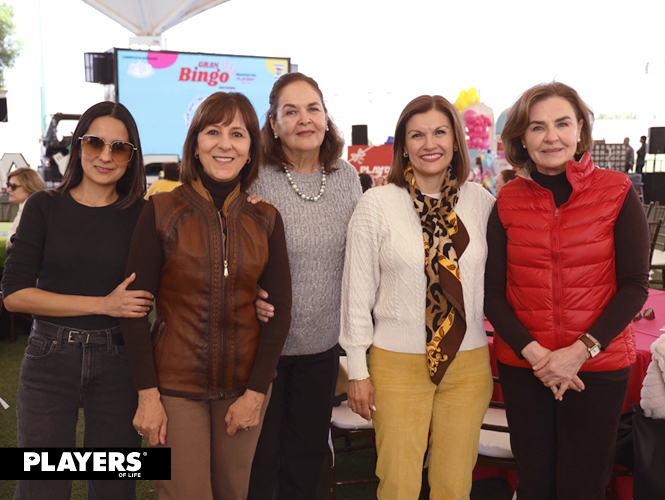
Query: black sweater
(70,249)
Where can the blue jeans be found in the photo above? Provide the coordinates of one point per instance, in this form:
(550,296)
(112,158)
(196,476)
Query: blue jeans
(57,378)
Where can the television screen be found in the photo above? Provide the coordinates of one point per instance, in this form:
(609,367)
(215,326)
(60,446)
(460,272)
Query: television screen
(163,89)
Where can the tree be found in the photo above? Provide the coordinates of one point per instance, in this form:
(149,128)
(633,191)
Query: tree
(9,47)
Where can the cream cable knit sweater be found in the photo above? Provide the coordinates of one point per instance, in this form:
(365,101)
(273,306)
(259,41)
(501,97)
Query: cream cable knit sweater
(384,273)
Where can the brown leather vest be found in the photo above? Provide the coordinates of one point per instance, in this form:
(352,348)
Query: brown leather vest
(206,333)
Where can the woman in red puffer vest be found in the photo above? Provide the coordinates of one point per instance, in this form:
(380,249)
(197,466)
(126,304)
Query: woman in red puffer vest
(567,270)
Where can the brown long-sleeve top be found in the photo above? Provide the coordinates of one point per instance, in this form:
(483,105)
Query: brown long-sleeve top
(145,258)
(631,248)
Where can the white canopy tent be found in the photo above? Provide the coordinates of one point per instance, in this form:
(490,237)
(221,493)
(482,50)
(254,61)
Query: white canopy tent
(151,18)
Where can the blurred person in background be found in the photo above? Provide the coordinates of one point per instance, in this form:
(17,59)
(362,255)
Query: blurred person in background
(630,155)
(21,183)
(641,155)
(366,181)
(504,176)
(169,181)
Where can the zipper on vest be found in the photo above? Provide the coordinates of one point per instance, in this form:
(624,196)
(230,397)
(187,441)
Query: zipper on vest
(225,253)
(215,341)
(556,278)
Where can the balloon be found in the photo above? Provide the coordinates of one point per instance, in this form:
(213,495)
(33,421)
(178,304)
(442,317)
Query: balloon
(466,98)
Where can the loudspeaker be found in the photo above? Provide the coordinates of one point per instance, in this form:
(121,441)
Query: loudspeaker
(359,135)
(99,67)
(3,109)
(656,140)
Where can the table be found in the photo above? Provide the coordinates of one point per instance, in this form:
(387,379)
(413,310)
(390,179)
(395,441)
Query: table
(646,332)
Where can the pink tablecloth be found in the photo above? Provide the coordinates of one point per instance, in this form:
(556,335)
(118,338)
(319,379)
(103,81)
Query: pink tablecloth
(646,332)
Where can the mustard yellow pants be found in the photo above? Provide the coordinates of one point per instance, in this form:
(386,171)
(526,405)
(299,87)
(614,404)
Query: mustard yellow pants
(408,405)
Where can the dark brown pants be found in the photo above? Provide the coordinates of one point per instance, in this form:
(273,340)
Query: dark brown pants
(206,463)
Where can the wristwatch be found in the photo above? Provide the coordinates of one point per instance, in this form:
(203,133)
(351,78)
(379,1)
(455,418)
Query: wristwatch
(592,346)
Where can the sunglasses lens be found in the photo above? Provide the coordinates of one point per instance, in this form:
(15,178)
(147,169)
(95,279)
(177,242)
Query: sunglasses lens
(649,314)
(637,317)
(122,151)
(92,145)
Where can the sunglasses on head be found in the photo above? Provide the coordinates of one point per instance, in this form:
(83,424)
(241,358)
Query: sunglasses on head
(122,151)
(647,314)
(12,186)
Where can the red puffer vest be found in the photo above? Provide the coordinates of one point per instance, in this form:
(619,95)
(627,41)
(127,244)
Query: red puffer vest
(561,271)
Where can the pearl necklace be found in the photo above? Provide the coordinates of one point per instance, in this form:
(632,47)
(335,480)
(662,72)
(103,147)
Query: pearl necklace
(302,195)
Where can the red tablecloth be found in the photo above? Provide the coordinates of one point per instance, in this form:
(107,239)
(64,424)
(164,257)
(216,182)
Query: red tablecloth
(646,332)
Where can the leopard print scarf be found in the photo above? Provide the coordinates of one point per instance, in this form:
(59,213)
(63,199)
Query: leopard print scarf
(445,240)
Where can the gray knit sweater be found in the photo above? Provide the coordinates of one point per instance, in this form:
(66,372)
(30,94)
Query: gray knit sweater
(315,240)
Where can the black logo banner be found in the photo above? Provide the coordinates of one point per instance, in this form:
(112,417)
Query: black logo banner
(85,463)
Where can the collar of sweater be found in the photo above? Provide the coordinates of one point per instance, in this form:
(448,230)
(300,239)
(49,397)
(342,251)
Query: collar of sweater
(219,193)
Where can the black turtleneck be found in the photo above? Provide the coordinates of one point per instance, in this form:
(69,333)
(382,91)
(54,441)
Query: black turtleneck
(559,185)
(146,258)
(631,247)
(217,189)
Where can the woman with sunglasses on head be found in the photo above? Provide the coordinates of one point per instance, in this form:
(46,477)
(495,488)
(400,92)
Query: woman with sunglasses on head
(21,183)
(567,270)
(66,267)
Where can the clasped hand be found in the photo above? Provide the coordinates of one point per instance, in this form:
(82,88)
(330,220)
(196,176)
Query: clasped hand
(557,369)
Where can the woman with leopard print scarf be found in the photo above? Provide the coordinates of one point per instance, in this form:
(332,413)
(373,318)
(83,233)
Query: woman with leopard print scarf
(413,291)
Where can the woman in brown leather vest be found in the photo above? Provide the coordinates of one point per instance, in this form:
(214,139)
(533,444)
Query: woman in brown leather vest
(204,374)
